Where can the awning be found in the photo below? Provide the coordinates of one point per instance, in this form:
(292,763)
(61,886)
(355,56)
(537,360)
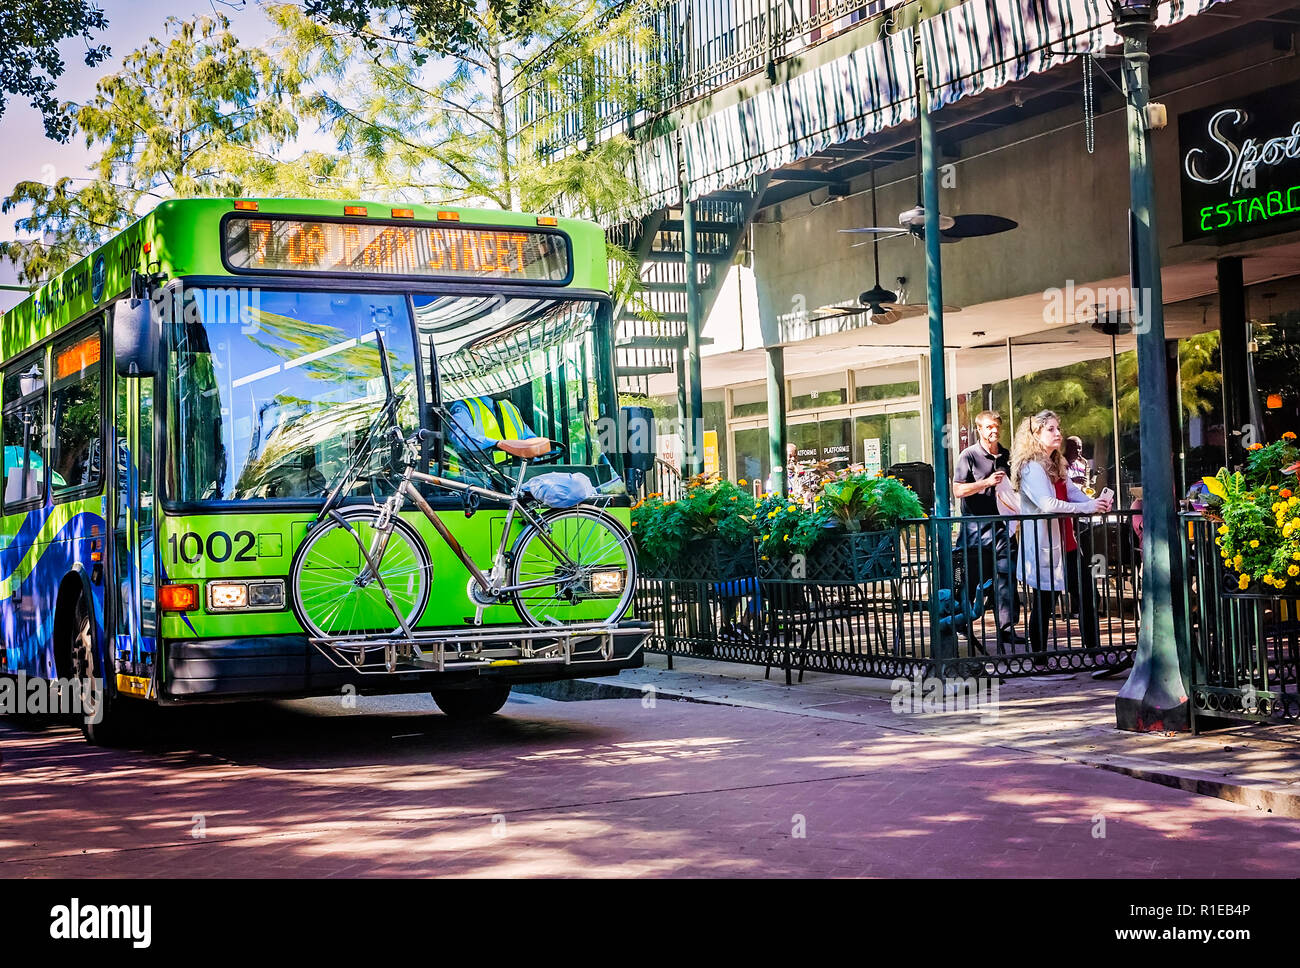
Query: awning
(977,46)
(984,44)
(865,91)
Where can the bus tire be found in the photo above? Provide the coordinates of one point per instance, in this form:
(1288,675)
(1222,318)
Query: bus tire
(106,718)
(476,703)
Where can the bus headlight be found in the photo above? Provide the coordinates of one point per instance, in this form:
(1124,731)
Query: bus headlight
(606,582)
(230,596)
(225,595)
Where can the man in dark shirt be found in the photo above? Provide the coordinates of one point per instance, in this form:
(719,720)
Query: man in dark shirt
(985,545)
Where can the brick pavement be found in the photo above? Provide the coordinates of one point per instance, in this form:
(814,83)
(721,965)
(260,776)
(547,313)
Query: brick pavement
(602,788)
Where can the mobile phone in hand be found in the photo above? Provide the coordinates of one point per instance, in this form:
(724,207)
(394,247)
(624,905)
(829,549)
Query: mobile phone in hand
(1107,495)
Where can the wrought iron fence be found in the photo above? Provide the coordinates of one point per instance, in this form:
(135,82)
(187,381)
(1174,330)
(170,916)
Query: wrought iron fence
(879,605)
(645,57)
(1244,645)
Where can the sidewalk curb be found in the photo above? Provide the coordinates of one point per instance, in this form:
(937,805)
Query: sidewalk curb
(1280,803)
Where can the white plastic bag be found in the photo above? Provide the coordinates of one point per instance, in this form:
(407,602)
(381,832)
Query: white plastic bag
(559,490)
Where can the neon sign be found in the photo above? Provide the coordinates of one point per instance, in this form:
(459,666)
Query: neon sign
(1240,167)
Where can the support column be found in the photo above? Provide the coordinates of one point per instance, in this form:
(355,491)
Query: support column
(1232,356)
(943,646)
(934,299)
(1154,697)
(776,429)
(694,428)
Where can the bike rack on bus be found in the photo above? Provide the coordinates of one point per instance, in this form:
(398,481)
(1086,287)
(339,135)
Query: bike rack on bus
(444,650)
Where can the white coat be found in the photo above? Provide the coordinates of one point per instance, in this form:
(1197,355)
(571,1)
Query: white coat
(1042,550)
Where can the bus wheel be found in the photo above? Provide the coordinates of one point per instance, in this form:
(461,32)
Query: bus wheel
(106,720)
(472,703)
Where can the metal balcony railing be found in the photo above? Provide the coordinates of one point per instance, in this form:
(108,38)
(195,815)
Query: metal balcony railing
(643,58)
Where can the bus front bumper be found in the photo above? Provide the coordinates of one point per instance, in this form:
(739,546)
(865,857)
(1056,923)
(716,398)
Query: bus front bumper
(286,666)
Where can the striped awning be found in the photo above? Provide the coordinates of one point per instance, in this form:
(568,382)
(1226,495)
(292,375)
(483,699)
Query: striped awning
(865,91)
(968,49)
(981,45)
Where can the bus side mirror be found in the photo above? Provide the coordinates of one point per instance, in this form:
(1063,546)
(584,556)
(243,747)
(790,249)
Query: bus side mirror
(135,337)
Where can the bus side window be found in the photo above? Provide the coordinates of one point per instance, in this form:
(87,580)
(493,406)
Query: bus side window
(75,405)
(23,430)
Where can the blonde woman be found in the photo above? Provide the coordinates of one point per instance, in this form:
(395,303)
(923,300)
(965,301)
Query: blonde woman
(1040,474)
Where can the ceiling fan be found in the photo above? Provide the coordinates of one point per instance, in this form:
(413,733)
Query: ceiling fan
(952,228)
(884,306)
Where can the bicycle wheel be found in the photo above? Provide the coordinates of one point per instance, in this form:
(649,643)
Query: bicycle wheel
(333,590)
(585,565)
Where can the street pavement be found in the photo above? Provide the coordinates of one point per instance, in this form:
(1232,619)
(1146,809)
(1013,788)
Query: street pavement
(596,788)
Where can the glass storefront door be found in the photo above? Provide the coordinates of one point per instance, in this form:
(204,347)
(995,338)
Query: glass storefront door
(883,439)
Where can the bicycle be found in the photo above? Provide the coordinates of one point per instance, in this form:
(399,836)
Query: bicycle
(362,568)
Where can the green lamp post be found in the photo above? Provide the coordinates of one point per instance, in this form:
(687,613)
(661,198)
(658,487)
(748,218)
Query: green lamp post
(1155,695)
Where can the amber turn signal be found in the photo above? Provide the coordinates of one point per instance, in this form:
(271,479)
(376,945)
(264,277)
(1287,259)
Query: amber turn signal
(245,205)
(178,598)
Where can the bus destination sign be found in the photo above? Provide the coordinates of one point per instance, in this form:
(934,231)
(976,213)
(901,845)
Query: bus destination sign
(273,244)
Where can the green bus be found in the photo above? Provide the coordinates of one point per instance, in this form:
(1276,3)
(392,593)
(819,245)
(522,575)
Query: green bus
(279,448)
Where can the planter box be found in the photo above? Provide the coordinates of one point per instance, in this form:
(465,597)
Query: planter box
(853,557)
(710,559)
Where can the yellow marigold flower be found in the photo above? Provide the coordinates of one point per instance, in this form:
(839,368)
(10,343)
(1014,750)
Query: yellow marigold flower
(765,558)
(786,538)
(742,482)
(1272,487)
(1223,529)
(791,508)
(1243,581)
(1293,570)
(1254,543)
(771,515)
(766,536)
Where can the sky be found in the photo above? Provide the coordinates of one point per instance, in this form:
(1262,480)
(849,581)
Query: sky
(27,153)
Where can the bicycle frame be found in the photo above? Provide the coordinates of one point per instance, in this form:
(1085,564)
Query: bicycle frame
(407,490)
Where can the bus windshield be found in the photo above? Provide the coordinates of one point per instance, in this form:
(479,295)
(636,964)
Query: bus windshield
(272,391)
(531,355)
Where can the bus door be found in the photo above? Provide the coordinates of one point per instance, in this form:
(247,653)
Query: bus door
(133,524)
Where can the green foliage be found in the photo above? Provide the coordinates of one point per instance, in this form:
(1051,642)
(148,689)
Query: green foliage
(191,114)
(1259,538)
(863,502)
(787,528)
(429,26)
(30,32)
(1265,463)
(711,508)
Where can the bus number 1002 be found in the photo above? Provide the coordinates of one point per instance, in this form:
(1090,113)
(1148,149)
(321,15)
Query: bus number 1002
(190,548)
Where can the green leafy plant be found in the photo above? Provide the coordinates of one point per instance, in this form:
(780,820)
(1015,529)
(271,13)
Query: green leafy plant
(1259,534)
(787,528)
(864,502)
(710,508)
(1265,462)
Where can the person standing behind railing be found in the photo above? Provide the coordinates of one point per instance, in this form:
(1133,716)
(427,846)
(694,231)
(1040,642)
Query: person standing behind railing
(985,543)
(1040,474)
